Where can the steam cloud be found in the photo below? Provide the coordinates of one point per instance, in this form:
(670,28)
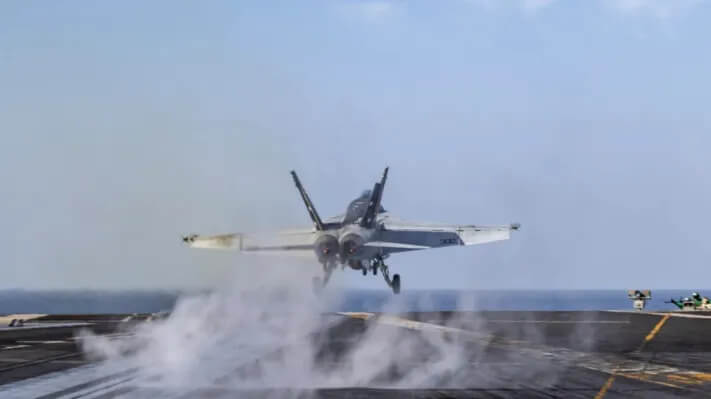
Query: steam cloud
(273,336)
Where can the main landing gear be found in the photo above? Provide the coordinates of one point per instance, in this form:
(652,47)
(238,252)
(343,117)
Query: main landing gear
(394,283)
(375,265)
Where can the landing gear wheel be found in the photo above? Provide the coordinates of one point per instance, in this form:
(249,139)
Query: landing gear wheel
(375,271)
(317,285)
(365,271)
(396,284)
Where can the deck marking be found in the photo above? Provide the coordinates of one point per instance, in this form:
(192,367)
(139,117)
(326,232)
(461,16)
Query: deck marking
(613,366)
(103,388)
(39,361)
(693,378)
(605,387)
(654,331)
(560,321)
(79,389)
(10,347)
(688,314)
(25,317)
(45,342)
(648,338)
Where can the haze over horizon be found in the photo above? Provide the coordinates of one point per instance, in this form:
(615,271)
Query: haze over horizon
(126,125)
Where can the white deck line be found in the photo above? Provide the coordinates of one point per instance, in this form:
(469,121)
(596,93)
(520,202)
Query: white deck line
(689,315)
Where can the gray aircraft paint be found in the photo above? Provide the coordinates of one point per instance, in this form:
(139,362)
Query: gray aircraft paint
(362,238)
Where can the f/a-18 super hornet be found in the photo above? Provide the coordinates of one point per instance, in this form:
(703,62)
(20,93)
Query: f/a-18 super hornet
(361,239)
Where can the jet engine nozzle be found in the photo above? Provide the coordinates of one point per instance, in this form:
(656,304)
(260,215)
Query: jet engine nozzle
(326,248)
(350,244)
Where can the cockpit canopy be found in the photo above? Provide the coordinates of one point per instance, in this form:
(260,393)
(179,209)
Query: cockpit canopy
(356,209)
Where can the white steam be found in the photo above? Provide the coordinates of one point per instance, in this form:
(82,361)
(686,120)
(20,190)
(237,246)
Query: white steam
(271,332)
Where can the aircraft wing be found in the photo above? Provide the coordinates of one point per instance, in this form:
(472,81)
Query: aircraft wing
(400,237)
(290,242)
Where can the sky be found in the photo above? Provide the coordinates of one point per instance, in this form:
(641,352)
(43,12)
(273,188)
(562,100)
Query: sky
(127,124)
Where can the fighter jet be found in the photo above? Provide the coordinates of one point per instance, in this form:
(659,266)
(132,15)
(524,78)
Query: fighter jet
(361,239)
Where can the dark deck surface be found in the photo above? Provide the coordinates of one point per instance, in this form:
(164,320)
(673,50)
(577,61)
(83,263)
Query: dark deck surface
(508,354)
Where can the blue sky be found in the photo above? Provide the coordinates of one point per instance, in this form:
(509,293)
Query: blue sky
(127,124)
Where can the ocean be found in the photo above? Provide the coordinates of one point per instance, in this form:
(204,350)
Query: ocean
(94,302)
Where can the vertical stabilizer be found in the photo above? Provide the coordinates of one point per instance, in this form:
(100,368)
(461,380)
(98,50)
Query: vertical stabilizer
(376,197)
(307,201)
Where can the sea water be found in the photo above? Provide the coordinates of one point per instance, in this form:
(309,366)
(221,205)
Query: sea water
(93,302)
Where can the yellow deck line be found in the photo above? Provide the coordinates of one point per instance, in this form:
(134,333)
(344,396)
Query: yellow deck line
(665,376)
(653,333)
(687,314)
(656,329)
(605,387)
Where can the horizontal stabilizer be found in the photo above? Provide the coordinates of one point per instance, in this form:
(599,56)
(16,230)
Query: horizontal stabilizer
(285,242)
(222,241)
(393,245)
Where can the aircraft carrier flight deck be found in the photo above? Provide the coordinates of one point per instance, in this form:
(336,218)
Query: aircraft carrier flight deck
(586,354)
